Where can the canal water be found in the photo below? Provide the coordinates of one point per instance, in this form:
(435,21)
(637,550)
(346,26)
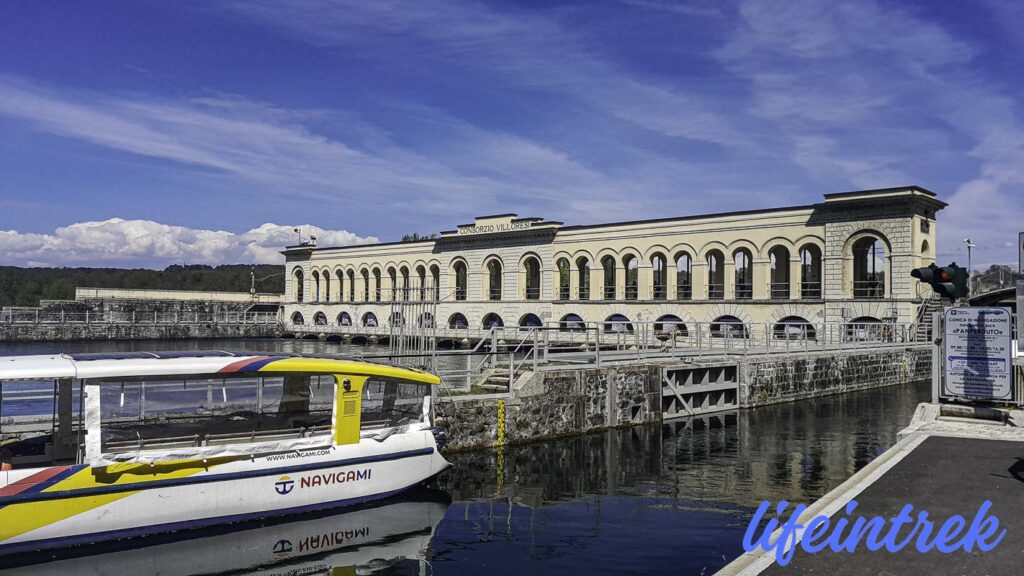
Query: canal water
(660,499)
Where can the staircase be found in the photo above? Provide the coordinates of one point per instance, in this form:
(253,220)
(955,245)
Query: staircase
(923,322)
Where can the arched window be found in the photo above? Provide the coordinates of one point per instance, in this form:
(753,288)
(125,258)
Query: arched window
(297,319)
(435,279)
(530,321)
(327,286)
(370,320)
(396,319)
(341,285)
(867,329)
(794,328)
(659,279)
(492,320)
(532,266)
(810,272)
(299,288)
(421,275)
(744,274)
(684,276)
(778,257)
(729,327)
(376,284)
(366,285)
(618,324)
(316,286)
(393,277)
(630,264)
(494,279)
(608,266)
(460,280)
(320,319)
(716,275)
(583,269)
(403,293)
(344,319)
(670,324)
(351,285)
(869,268)
(458,322)
(564,275)
(427,320)
(571,323)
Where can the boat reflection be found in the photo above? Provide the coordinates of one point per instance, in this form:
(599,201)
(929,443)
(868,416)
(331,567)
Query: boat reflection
(391,537)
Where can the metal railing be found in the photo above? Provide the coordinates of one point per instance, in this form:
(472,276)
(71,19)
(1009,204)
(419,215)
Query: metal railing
(684,292)
(43,316)
(779,290)
(563,292)
(716,291)
(744,291)
(810,290)
(494,293)
(659,291)
(869,289)
(533,293)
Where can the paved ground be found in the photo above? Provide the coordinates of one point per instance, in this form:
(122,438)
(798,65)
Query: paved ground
(944,476)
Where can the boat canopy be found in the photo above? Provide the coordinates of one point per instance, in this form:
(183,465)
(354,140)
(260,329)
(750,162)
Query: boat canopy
(134,364)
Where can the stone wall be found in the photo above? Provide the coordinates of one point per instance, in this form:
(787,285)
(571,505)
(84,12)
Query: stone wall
(783,379)
(556,403)
(575,401)
(99,331)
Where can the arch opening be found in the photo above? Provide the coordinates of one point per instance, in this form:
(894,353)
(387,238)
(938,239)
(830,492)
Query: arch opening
(684,276)
(608,269)
(794,328)
(869,268)
(344,319)
(458,321)
(659,277)
(571,323)
(716,275)
(320,319)
(370,320)
(563,279)
(492,320)
(744,286)
(618,324)
(297,319)
(729,327)
(583,281)
(810,272)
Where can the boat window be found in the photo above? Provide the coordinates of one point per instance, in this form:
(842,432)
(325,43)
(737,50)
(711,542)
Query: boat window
(155,413)
(391,402)
(39,419)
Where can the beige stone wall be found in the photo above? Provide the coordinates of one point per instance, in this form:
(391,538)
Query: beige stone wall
(903,220)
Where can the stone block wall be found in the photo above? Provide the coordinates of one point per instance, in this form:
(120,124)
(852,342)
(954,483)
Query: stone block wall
(784,379)
(556,403)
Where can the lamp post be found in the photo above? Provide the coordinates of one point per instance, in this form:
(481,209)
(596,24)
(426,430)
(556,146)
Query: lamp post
(970,244)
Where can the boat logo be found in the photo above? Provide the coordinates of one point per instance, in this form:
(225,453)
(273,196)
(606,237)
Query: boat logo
(283,548)
(284,485)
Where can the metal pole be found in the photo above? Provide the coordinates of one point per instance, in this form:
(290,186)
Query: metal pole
(938,358)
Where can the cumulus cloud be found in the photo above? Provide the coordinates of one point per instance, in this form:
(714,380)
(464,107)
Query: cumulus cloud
(145,243)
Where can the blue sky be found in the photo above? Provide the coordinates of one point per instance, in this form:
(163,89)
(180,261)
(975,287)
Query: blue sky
(147,133)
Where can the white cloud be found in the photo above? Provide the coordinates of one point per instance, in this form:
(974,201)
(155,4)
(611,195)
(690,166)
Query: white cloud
(144,243)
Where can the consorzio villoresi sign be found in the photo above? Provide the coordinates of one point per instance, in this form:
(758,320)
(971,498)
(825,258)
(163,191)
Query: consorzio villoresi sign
(493,228)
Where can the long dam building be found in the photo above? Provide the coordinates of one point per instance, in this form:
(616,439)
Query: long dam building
(846,259)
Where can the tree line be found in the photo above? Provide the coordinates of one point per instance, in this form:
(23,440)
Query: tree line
(27,286)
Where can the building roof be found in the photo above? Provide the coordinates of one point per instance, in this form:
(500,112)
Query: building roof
(895,192)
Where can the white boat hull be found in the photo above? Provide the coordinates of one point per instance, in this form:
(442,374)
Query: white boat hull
(84,506)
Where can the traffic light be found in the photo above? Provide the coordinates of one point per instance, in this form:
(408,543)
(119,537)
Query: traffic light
(947,281)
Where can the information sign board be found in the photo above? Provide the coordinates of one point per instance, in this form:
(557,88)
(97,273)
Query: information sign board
(978,354)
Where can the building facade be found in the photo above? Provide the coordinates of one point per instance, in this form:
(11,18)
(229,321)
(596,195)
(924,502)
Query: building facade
(845,259)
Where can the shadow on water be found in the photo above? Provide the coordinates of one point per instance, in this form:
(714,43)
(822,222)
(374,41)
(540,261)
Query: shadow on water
(669,498)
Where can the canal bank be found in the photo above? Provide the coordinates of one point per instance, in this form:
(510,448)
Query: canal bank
(559,401)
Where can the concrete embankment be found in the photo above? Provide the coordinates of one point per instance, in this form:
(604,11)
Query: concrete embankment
(57,332)
(561,401)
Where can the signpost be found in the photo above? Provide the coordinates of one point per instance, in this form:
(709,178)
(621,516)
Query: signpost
(978,354)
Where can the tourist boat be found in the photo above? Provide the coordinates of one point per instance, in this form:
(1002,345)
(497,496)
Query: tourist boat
(391,535)
(170,441)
